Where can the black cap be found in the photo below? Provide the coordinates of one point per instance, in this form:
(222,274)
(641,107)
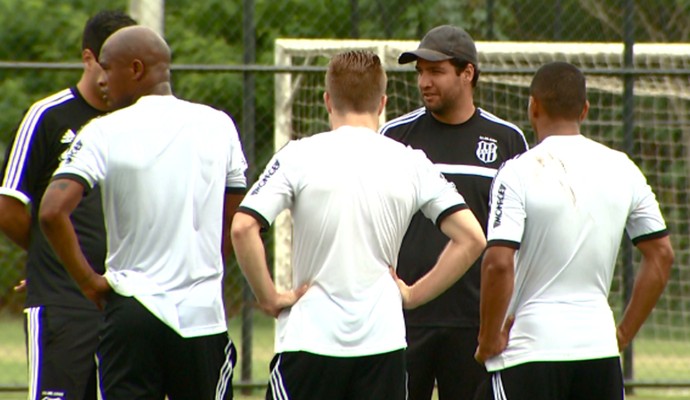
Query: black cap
(444,42)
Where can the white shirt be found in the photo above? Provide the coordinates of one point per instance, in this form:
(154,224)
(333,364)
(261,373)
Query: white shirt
(163,165)
(565,204)
(352,194)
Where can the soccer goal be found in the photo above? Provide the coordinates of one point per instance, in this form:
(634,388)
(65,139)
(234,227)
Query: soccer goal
(660,140)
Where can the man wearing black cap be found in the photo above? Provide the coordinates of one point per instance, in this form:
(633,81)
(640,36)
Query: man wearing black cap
(468,145)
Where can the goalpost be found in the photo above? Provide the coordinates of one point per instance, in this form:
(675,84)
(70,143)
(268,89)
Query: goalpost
(661,137)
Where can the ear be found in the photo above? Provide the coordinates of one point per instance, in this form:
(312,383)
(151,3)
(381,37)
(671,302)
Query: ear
(382,105)
(88,58)
(137,69)
(469,72)
(533,107)
(585,110)
(327,102)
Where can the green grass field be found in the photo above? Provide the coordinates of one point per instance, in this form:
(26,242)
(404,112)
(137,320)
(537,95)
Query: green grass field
(654,360)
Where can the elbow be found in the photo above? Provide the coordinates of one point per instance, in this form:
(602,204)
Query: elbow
(657,259)
(242,227)
(498,263)
(479,244)
(496,274)
(48,217)
(666,257)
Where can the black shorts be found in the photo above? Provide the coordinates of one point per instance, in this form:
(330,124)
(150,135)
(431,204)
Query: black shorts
(599,379)
(443,355)
(61,347)
(304,376)
(142,358)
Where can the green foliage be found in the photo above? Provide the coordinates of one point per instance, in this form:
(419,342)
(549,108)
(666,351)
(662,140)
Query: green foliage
(211,32)
(36,30)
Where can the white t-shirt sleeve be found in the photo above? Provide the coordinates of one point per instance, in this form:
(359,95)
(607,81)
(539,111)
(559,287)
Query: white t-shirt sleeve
(86,157)
(273,192)
(645,217)
(507,206)
(436,194)
(237,163)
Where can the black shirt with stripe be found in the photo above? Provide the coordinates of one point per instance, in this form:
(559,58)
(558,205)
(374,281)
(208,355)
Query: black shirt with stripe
(468,154)
(44,134)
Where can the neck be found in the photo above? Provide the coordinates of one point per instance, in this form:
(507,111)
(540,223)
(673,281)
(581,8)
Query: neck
(363,120)
(457,116)
(159,89)
(557,128)
(91,93)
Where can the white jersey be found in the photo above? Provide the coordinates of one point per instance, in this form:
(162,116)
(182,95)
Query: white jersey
(352,194)
(565,205)
(163,165)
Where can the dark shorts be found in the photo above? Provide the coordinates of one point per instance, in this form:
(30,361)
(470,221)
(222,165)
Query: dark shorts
(445,356)
(61,347)
(305,376)
(599,379)
(142,358)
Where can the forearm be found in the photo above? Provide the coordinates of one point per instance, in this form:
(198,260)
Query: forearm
(61,198)
(452,264)
(15,221)
(60,232)
(250,253)
(17,227)
(649,285)
(465,246)
(497,285)
(255,269)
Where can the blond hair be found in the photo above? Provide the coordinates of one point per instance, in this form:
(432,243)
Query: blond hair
(356,81)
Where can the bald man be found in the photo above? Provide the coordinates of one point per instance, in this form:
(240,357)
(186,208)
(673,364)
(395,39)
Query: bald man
(172,174)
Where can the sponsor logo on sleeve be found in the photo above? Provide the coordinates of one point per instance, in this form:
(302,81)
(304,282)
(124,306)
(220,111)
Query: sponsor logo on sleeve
(266,176)
(69,155)
(500,196)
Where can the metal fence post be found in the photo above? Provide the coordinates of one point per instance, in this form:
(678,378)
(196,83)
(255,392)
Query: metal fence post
(248,143)
(628,137)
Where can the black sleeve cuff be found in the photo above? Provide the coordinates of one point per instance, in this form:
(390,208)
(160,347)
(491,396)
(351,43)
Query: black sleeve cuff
(235,190)
(650,236)
(449,211)
(253,213)
(75,178)
(504,243)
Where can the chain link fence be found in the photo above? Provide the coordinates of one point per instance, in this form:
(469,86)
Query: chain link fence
(223,54)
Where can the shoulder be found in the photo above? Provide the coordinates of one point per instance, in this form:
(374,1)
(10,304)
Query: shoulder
(491,119)
(54,99)
(294,148)
(50,104)
(523,161)
(612,157)
(206,112)
(403,120)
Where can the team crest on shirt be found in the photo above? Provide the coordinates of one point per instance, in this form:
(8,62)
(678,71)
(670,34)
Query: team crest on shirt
(487,150)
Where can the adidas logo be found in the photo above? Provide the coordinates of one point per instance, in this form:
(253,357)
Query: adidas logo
(68,137)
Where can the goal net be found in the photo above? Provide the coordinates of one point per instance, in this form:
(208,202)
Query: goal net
(660,140)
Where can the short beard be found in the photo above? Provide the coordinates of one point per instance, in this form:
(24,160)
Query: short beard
(440,108)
